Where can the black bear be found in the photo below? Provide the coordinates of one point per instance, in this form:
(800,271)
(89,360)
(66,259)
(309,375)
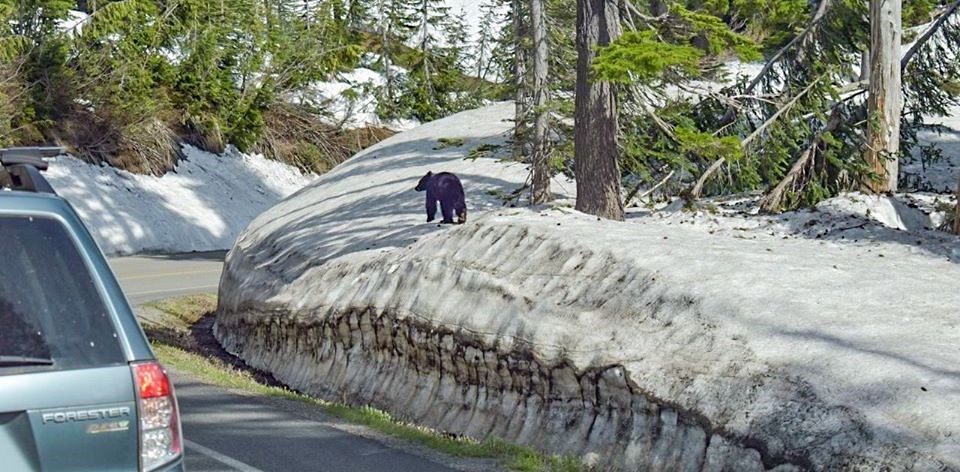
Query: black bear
(446,188)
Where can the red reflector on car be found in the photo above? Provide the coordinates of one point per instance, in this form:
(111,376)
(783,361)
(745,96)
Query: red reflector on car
(152,380)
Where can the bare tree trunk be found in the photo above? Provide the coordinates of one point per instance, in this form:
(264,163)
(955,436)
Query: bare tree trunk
(385,59)
(596,127)
(885,102)
(385,51)
(540,179)
(956,215)
(519,76)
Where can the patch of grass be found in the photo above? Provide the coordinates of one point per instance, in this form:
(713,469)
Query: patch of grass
(187,309)
(508,197)
(444,143)
(216,372)
(482,151)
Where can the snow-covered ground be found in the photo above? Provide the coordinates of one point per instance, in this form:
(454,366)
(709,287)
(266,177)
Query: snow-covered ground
(910,221)
(200,206)
(941,175)
(827,335)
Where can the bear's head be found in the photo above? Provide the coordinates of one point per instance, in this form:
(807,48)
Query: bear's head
(424,182)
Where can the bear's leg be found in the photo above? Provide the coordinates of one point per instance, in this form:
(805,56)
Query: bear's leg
(461,208)
(446,208)
(431,208)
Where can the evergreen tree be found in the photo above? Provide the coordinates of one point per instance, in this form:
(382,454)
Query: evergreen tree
(433,86)
(515,57)
(432,17)
(34,24)
(396,25)
(456,40)
(483,51)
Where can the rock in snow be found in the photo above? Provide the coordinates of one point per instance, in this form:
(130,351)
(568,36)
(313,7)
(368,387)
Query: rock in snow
(201,206)
(651,345)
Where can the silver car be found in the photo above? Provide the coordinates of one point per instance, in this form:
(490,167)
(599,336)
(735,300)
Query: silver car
(80,388)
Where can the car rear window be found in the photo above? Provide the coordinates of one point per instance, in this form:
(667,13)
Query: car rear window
(51,314)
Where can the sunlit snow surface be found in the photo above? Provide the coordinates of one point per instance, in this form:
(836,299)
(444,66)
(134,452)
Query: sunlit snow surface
(202,205)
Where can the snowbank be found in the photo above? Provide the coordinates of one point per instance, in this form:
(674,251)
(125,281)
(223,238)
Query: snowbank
(201,206)
(652,344)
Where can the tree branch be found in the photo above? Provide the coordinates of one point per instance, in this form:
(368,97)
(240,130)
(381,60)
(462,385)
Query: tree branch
(814,22)
(905,61)
(772,202)
(697,189)
(626,201)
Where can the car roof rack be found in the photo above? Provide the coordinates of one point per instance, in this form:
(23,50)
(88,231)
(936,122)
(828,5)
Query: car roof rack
(20,168)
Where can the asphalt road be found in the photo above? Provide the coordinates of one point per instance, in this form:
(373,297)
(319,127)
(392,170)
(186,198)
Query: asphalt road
(229,431)
(147,278)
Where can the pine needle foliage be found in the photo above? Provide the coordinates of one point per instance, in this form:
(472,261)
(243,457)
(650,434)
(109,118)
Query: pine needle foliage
(130,80)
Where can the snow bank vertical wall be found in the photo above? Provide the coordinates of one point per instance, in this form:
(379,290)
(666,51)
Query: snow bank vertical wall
(568,349)
(455,334)
(201,206)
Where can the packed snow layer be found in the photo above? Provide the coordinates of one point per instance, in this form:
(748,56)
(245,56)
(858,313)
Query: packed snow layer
(727,348)
(202,205)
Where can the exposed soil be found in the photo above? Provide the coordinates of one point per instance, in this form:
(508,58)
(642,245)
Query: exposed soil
(198,339)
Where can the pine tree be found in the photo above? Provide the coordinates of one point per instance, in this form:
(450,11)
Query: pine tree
(520,54)
(432,16)
(358,14)
(396,25)
(34,23)
(456,40)
(433,86)
(489,25)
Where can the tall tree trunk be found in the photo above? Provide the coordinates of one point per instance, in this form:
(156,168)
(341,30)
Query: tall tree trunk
(385,49)
(385,61)
(519,77)
(596,127)
(956,214)
(540,180)
(885,102)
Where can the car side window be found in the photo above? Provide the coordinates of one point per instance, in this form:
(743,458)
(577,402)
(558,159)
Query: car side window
(51,314)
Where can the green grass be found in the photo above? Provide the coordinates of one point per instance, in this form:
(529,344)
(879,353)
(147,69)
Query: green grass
(215,372)
(444,143)
(187,310)
(482,151)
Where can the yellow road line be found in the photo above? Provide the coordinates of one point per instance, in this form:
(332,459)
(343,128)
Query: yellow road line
(168,274)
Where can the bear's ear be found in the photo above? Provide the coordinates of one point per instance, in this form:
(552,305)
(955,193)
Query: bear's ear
(429,173)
